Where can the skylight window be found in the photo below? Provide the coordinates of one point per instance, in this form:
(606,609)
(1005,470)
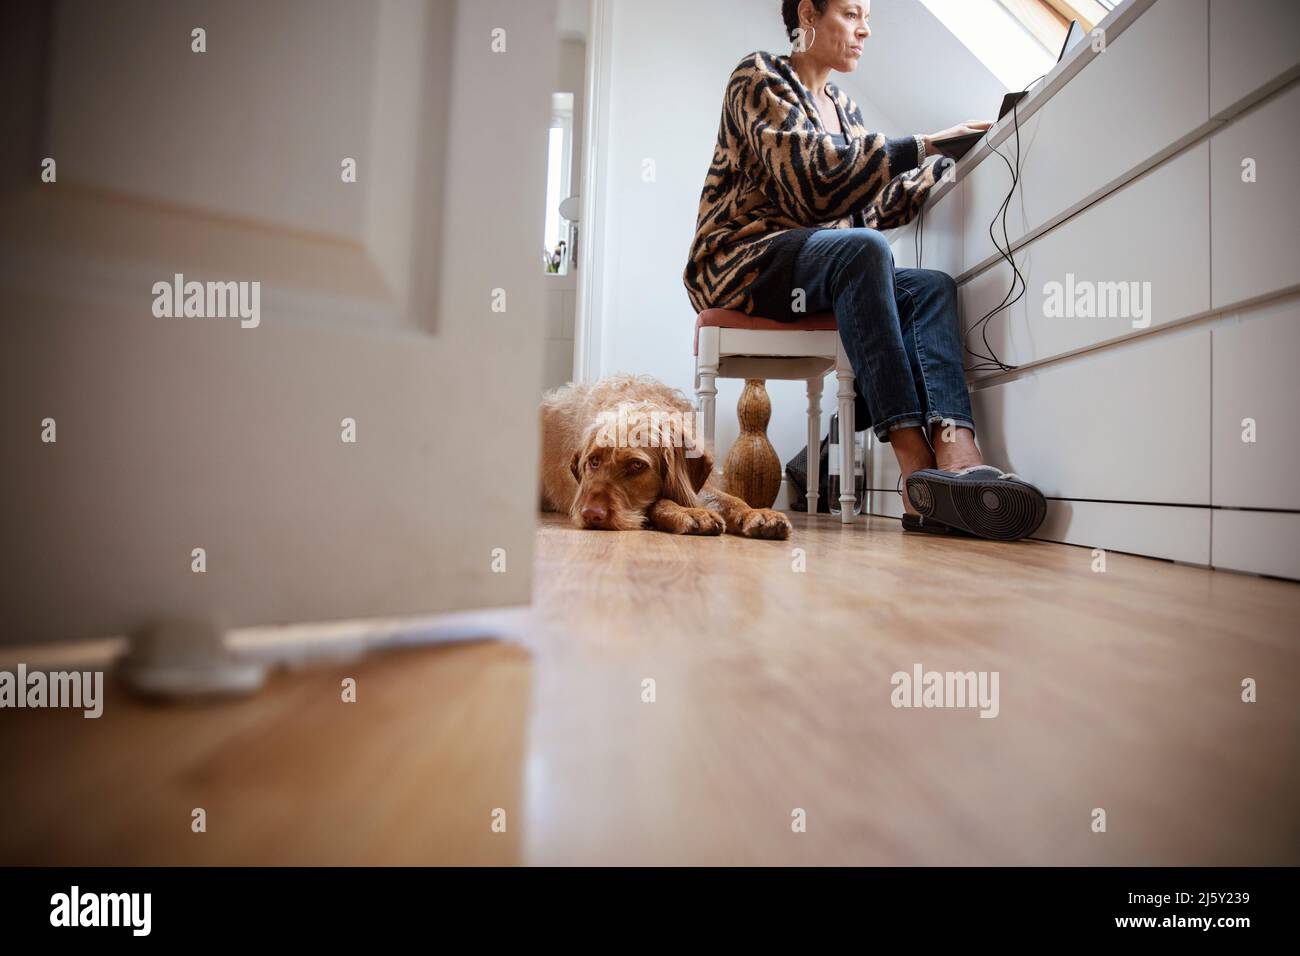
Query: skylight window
(1048,20)
(1017,40)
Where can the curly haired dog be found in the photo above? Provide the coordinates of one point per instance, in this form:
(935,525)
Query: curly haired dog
(622,455)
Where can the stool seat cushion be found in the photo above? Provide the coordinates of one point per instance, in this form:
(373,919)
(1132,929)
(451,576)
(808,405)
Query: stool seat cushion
(731,319)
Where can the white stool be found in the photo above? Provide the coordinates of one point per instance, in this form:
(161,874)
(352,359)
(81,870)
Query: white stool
(731,344)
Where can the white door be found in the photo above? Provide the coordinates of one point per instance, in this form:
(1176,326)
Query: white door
(361,438)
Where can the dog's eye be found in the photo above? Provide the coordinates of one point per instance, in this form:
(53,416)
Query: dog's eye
(593,463)
(636,466)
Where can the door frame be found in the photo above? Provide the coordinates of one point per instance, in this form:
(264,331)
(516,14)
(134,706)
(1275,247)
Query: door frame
(588,344)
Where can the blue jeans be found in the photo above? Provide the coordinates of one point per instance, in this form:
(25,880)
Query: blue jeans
(899,328)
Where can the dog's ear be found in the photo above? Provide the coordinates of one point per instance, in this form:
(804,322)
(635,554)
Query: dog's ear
(699,468)
(682,476)
(573,466)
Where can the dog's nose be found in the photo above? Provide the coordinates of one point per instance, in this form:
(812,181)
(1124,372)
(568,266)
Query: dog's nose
(594,514)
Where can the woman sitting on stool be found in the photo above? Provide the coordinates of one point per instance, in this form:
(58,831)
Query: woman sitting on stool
(796,192)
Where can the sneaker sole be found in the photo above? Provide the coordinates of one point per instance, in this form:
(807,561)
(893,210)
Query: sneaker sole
(997,509)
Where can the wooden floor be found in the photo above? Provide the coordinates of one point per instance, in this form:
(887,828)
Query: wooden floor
(1119,690)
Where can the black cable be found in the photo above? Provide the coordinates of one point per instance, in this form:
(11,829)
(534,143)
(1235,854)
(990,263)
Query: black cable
(991,361)
(918,241)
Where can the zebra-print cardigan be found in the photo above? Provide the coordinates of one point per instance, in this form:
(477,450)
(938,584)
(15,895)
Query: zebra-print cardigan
(777,177)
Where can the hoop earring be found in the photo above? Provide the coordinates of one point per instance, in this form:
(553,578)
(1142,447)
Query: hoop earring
(800,33)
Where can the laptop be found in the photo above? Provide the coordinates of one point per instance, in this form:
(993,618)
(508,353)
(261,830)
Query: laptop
(955,147)
(1073,37)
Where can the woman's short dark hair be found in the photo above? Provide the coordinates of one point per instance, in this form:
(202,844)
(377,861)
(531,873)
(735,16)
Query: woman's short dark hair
(790,13)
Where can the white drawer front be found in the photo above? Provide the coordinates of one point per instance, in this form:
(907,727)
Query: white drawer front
(1252,42)
(1257,396)
(1262,542)
(1138,259)
(1124,424)
(1158,531)
(1256,233)
(1146,92)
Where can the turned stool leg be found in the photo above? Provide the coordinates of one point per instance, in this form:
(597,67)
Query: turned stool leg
(844,375)
(814,442)
(868,472)
(706,391)
(752,471)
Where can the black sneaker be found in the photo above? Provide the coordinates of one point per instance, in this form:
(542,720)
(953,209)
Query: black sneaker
(982,500)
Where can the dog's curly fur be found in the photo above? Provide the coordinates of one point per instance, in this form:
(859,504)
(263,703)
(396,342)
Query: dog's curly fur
(647,482)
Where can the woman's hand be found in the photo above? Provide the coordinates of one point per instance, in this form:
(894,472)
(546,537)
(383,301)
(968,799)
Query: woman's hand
(970,126)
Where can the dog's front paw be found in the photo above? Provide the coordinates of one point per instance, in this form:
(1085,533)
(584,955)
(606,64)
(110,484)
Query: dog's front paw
(697,521)
(765,523)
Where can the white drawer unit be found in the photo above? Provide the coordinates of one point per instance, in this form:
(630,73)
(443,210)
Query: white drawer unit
(1125,424)
(1156,404)
(1262,542)
(1256,437)
(1157,531)
(1138,259)
(1256,224)
(1254,47)
(1146,94)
